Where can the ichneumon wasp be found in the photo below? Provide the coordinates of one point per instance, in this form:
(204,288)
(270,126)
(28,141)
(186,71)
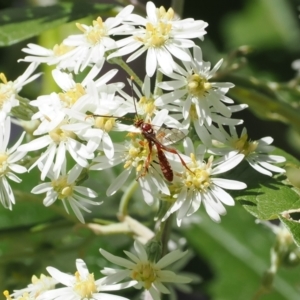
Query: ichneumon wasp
(153,138)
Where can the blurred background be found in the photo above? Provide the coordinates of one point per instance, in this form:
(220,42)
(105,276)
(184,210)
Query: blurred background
(230,257)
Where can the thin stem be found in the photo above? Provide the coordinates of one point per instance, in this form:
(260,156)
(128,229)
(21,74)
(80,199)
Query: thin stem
(119,61)
(158,79)
(123,207)
(163,233)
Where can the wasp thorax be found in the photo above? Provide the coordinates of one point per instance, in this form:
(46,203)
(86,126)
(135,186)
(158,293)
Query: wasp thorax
(146,127)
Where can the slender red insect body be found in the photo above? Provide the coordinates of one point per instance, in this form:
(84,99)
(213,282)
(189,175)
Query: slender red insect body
(164,164)
(149,134)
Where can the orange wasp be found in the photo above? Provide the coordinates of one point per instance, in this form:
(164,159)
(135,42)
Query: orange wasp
(153,138)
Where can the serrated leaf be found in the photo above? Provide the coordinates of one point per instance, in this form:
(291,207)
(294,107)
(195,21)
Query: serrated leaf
(293,227)
(265,197)
(17,24)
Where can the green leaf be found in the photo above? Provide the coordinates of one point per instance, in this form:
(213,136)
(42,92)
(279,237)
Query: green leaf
(18,24)
(265,197)
(293,227)
(237,253)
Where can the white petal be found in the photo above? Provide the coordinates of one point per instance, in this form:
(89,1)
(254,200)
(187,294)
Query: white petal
(118,182)
(229,184)
(65,279)
(151,62)
(117,260)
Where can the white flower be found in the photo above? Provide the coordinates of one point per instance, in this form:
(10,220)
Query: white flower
(255,152)
(143,272)
(64,187)
(91,46)
(81,286)
(162,35)
(141,155)
(8,164)
(199,184)
(134,154)
(34,289)
(100,110)
(146,103)
(60,55)
(59,141)
(202,102)
(53,108)
(9,90)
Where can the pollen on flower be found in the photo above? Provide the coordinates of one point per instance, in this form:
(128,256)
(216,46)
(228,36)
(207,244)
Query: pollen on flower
(147,105)
(165,15)
(85,287)
(244,146)
(105,123)
(71,96)
(6,90)
(25,296)
(199,178)
(61,49)
(156,35)
(62,187)
(3,78)
(95,33)
(3,163)
(59,135)
(198,85)
(136,154)
(145,273)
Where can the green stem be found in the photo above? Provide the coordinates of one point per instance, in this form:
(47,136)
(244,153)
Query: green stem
(123,207)
(120,62)
(163,234)
(158,79)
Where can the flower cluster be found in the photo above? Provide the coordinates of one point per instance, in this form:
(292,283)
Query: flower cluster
(142,272)
(179,145)
(78,122)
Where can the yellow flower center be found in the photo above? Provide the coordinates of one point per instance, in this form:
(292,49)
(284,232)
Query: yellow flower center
(62,187)
(71,96)
(144,272)
(105,123)
(58,135)
(25,296)
(3,163)
(85,287)
(198,85)
(95,33)
(157,35)
(137,154)
(244,146)
(6,89)
(199,178)
(147,105)
(165,15)
(61,49)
